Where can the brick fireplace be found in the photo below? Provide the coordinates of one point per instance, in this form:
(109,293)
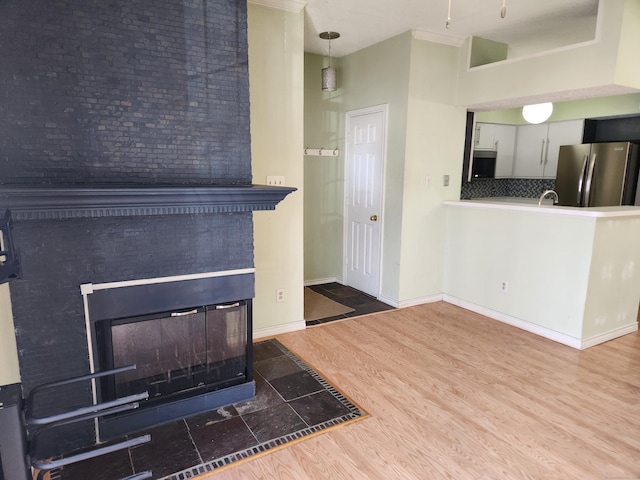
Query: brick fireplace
(125,157)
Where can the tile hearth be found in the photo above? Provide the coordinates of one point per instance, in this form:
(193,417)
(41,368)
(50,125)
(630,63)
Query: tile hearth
(292,401)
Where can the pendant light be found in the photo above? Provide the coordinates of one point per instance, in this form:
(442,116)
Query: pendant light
(503,12)
(537,113)
(329,73)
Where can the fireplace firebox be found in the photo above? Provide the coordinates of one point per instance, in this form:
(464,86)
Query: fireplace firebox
(176,353)
(190,356)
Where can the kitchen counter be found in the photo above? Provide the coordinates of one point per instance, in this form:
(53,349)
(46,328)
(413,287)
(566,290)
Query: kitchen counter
(569,274)
(524,204)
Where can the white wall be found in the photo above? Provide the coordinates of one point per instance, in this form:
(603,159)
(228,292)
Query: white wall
(276,87)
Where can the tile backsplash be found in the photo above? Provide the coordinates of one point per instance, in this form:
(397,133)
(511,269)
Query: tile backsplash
(506,187)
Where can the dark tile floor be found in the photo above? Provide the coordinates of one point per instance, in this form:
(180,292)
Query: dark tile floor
(361,303)
(291,401)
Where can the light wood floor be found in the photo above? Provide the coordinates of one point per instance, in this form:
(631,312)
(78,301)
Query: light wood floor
(455,395)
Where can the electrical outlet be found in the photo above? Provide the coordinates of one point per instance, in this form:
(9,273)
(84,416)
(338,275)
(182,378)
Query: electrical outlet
(275,180)
(504,286)
(445,180)
(280,295)
(427,181)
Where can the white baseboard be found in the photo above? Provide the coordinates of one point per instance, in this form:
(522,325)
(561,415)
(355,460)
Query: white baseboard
(568,340)
(320,281)
(610,335)
(411,303)
(279,329)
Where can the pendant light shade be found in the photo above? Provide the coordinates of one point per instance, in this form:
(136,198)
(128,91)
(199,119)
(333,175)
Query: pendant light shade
(537,113)
(329,79)
(329,83)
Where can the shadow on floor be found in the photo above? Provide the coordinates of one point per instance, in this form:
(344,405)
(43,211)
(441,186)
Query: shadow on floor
(361,303)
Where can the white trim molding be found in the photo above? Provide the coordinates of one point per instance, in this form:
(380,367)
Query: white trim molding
(321,281)
(294,6)
(89,288)
(437,38)
(278,329)
(411,303)
(568,340)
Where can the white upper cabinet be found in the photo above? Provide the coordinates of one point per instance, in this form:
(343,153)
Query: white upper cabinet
(484,136)
(505,143)
(537,147)
(530,149)
(501,139)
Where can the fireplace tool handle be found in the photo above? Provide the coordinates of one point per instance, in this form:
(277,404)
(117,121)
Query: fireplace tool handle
(94,408)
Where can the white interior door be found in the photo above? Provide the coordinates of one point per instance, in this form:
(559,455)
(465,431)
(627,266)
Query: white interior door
(363,198)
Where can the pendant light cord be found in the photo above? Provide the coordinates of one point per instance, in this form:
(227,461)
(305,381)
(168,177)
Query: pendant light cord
(448,24)
(503,10)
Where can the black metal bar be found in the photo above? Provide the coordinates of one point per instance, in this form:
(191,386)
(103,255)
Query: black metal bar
(68,381)
(34,436)
(85,410)
(51,464)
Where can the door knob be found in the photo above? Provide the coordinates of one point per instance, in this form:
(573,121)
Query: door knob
(373,218)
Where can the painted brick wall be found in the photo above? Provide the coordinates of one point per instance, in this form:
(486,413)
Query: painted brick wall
(117,91)
(144,91)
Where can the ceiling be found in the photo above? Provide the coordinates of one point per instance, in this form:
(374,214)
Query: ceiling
(529,25)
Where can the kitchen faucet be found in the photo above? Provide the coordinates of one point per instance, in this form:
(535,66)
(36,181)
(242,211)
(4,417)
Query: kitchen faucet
(547,192)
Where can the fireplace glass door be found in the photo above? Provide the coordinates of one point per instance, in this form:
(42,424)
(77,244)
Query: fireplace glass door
(202,348)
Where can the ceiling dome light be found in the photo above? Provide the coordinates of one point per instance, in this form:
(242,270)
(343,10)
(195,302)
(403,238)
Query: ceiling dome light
(538,113)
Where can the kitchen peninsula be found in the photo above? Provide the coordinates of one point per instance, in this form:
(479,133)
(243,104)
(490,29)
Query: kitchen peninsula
(566,273)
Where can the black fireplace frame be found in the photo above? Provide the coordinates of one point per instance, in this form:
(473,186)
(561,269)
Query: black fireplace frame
(108,302)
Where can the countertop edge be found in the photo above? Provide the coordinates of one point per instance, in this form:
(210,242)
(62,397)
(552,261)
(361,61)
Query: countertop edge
(598,212)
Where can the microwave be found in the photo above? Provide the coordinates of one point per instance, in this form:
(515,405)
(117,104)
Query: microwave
(484,164)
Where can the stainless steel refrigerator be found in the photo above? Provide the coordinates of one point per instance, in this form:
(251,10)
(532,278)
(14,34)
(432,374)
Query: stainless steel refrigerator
(597,174)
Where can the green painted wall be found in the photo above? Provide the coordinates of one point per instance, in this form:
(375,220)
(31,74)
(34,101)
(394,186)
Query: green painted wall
(628,104)
(614,280)
(9,369)
(434,147)
(276,77)
(545,259)
(574,275)
(323,176)
(361,83)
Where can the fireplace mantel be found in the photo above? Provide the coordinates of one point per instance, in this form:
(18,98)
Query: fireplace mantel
(42,202)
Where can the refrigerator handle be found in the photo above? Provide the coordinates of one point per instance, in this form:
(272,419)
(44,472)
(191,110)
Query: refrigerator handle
(581,179)
(587,190)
